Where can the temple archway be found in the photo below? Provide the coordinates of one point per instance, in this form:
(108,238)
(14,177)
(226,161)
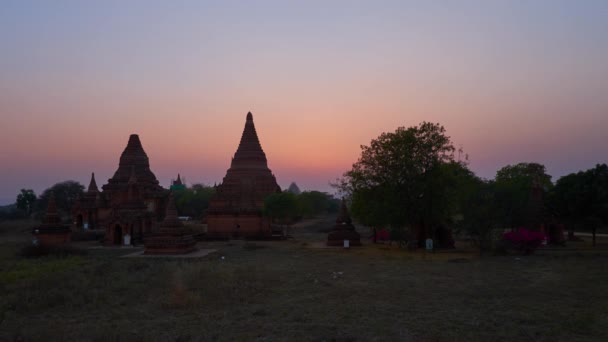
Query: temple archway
(117,234)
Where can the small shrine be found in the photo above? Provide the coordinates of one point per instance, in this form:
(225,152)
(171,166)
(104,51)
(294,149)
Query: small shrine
(343,230)
(172,237)
(85,210)
(51,232)
(177,184)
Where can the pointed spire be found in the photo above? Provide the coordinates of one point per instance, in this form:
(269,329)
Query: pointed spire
(134,143)
(93,184)
(249,154)
(294,189)
(178,181)
(133,156)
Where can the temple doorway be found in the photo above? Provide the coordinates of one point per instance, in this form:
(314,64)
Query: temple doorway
(117,235)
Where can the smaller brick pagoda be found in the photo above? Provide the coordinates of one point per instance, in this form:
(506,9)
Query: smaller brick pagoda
(172,238)
(51,232)
(343,230)
(85,210)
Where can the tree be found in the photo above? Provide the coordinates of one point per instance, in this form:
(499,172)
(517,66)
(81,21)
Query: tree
(26,200)
(581,199)
(193,201)
(281,206)
(399,179)
(313,203)
(479,212)
(66,193)
(514,192)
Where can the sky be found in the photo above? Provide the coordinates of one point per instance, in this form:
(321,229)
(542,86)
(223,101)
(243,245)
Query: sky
(511,81)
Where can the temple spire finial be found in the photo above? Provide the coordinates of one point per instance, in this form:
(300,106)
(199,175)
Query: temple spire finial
(93,184)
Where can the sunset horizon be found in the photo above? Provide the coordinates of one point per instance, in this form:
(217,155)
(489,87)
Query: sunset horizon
(510,83)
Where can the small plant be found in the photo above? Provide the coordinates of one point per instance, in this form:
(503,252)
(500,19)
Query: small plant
(524,240)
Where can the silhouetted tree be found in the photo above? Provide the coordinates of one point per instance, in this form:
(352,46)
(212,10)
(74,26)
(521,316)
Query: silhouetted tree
(281,207)
(513,187)
(478,211)
(581,199)
(314,203)
(400,179)
(193,201)
(66,193)
(26,200)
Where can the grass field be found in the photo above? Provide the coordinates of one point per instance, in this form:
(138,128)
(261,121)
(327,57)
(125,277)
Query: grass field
(295,290)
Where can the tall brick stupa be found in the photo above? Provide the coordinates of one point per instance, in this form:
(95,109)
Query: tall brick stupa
(236,209)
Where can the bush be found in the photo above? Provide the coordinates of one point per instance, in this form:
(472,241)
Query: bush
(524,240)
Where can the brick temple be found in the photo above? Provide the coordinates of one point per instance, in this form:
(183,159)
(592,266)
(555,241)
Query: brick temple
(235,211)
(51,232)
(132,202)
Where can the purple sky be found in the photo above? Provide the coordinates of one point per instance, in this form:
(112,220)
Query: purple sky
(511,81)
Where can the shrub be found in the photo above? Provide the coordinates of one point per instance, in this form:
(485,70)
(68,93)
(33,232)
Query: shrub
(524,240)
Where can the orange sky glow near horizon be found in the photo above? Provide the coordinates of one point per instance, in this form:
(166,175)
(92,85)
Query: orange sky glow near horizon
(510,82)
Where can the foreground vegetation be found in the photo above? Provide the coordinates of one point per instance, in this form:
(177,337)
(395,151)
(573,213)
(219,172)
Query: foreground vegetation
(296,290)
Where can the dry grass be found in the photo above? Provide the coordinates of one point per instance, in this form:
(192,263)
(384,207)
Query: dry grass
(287,290)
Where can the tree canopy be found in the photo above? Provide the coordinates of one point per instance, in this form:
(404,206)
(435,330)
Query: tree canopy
(193,201)
(582,196)
(66,193)
(404,177)
(281,206)
(514,187)
(26,200)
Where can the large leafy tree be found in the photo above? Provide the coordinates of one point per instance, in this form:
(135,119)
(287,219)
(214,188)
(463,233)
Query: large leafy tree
(401,177)
(581,199)
(281,206)
(478,211)
(25,200)
(514,186)
(66,193)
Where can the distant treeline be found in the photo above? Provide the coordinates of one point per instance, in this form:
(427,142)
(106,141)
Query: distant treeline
(192,201)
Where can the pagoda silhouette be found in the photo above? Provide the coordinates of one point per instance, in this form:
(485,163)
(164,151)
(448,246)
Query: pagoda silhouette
(236,210)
